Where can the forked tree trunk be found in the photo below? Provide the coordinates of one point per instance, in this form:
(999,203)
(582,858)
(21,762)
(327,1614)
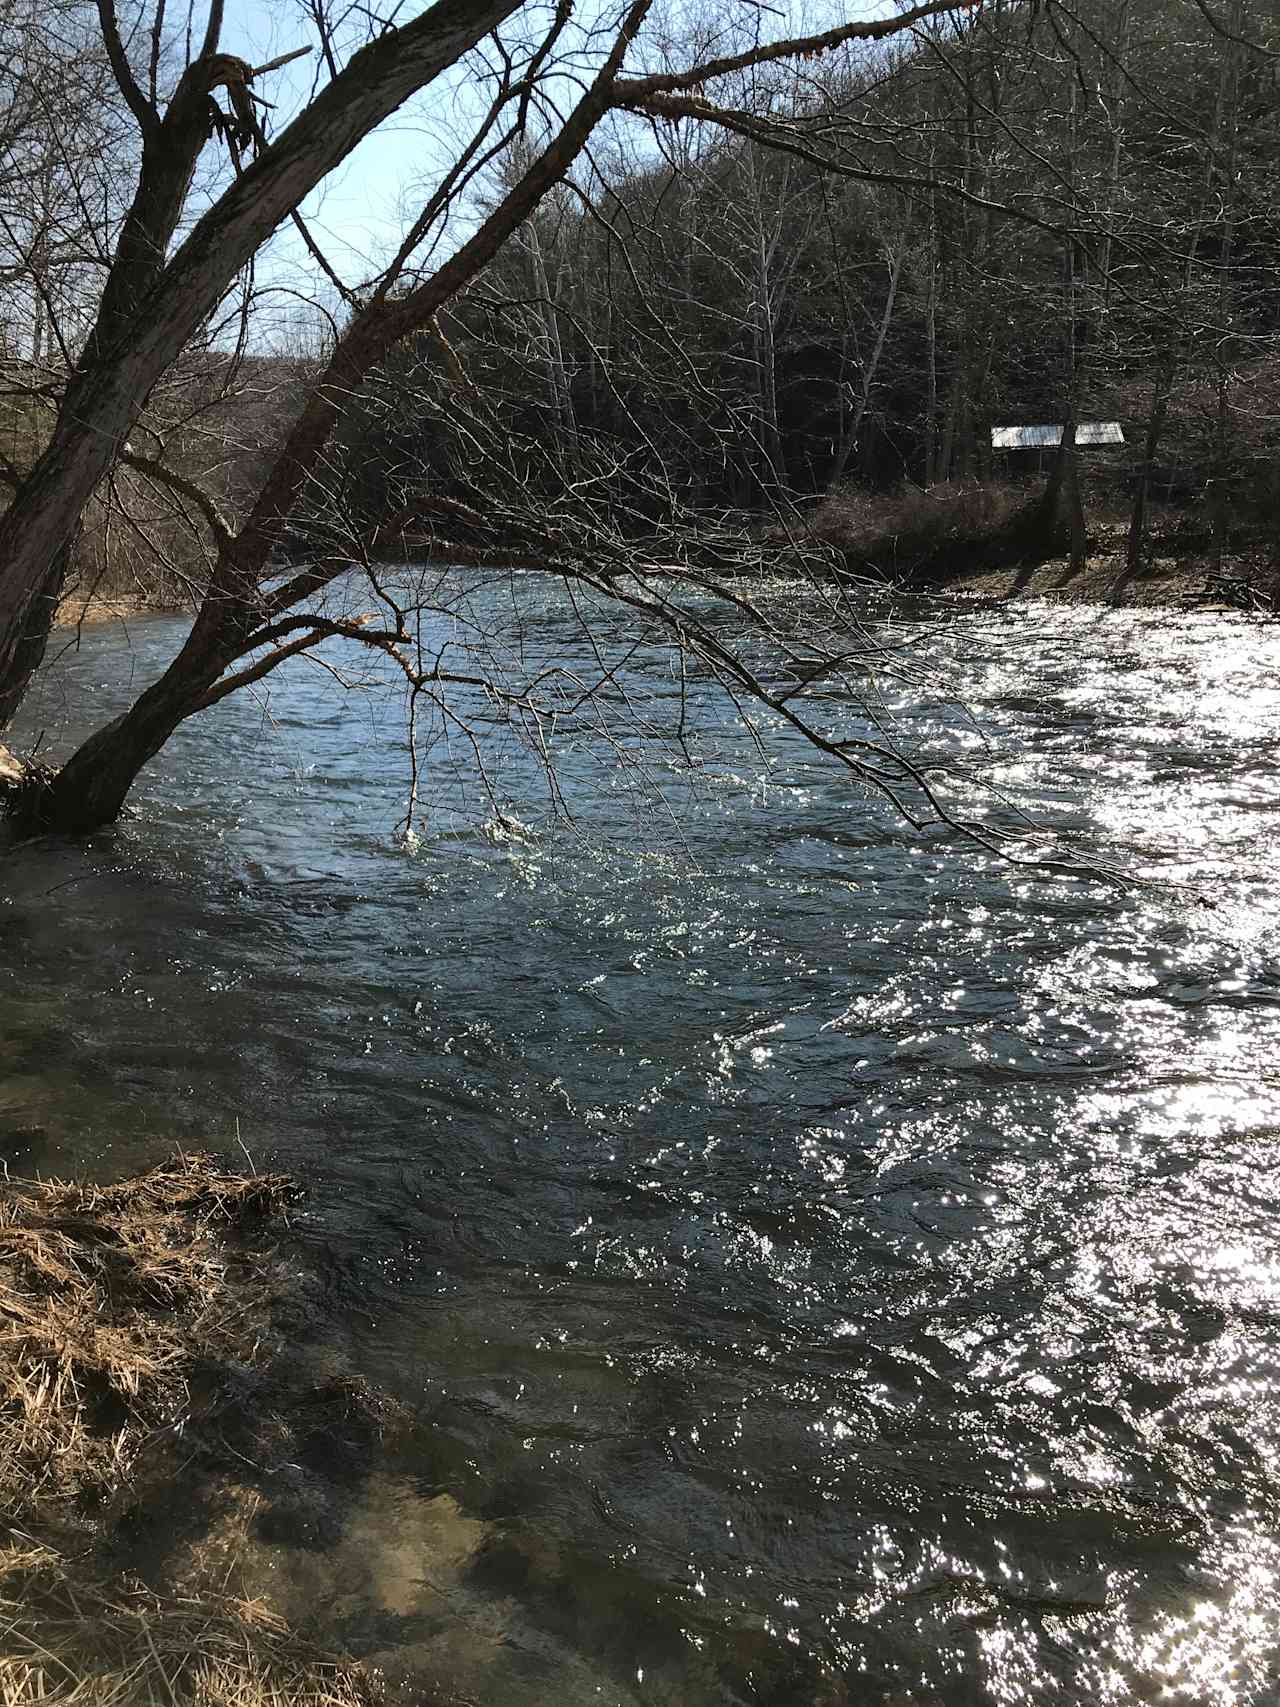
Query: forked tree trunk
(151,309)
(91,788)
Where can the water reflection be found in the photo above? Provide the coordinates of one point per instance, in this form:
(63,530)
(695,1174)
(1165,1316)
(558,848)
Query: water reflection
(832,1270)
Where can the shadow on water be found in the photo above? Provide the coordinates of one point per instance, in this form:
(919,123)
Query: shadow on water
(822,1268)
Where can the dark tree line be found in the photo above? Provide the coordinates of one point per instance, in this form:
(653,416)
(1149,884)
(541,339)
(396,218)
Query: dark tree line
(1024,213)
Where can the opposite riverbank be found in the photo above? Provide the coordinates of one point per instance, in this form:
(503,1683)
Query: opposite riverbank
(1171,579)
(984,542)
(78,610)
(1177,576)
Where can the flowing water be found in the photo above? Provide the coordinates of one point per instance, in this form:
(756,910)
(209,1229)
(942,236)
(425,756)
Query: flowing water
(826,1266)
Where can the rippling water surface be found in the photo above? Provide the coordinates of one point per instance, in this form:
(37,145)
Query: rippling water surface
(830,1267)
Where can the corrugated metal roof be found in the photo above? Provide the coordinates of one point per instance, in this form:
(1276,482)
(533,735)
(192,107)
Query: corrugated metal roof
(1045,438)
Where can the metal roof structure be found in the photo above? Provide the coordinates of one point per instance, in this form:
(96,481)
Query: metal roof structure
(1047,438)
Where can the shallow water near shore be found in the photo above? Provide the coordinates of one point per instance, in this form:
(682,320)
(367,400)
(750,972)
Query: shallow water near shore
(827,1265)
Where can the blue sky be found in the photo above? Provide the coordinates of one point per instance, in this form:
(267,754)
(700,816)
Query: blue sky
(359,213)
(356,213)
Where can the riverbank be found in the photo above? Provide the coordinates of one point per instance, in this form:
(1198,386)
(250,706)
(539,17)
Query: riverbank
(77,610)
(948,559)
(142,1391)
(1170,579)
(973,541)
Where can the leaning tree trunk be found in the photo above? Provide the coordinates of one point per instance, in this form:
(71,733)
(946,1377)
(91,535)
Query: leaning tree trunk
(151,308)
(237,613)
(91,788)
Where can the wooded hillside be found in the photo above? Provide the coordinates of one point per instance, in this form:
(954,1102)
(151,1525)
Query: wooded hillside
(1020,213)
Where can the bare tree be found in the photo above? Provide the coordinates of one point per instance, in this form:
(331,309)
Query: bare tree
(1002,191)
(153,302)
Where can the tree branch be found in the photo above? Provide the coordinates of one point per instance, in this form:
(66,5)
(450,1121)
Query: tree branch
(147,116)
(190,489)
(315,629)
(797,47)
(213,29)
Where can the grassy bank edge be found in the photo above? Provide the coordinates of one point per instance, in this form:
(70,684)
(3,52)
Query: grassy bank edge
(128,1316)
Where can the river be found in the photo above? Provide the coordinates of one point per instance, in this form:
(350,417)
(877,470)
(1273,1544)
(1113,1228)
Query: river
(827,1265)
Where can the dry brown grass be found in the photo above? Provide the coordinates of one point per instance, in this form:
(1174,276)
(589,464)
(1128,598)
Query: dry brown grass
(110,1298)
(65,1640)
(895,530)
(115,1303)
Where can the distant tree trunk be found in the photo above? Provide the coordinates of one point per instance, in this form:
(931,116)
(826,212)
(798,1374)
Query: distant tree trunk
(1056,518)
(557,369)
(947,444)
(763,249)
(931,360)
(1227,138)
(1142,488)
(1077,333)
(869,371)
(1075,511)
